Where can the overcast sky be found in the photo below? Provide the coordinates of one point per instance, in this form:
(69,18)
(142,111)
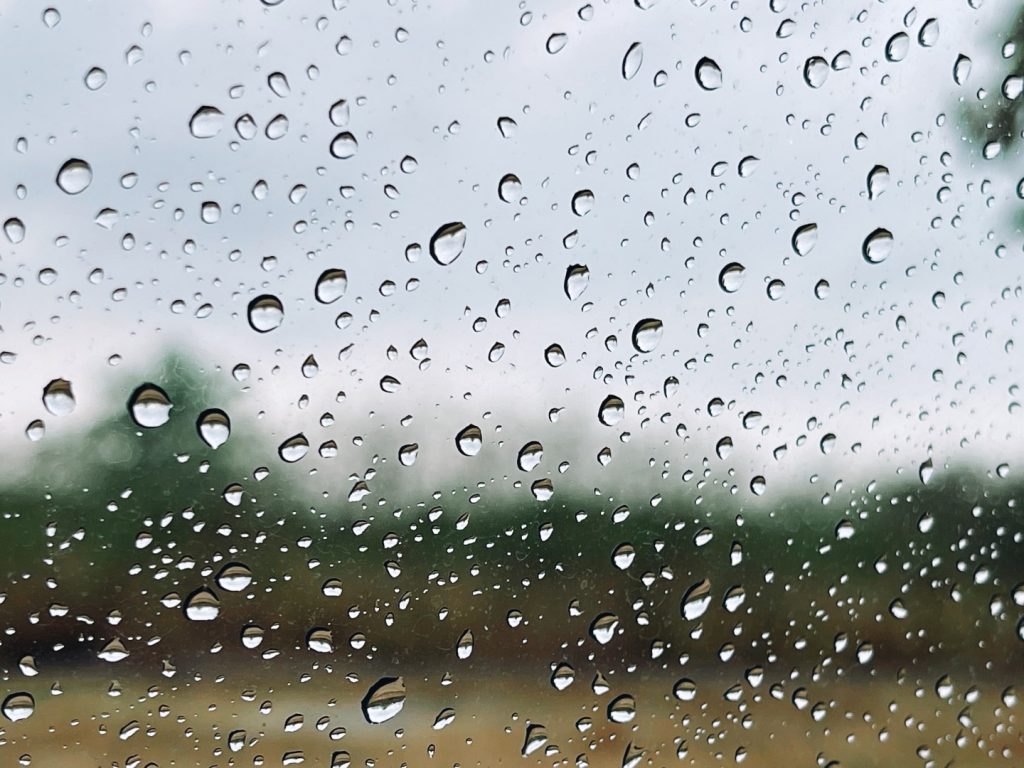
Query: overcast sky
(430,81)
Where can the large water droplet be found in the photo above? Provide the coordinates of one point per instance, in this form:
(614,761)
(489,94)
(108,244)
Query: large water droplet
(384,700)
(447,243)
(265,313)
(294,448)
(611,411)
(58,398)
(583,202)
(731,277)
(214,427)
(878,180)
(696,600)
(344,146)
(708,74)
(877,246)
(556,42)
(632,60)
(816,71)
(469,441)
(562,677)
(331,285)
(234,577)
(206,122)
(647,334)
(149,406)
(202,605)
(18,706)
(14,229)
(897,47)
(530,456)
(805,238)
(577,278)
(113,652)
(510,188)
(602,629)
(74,176)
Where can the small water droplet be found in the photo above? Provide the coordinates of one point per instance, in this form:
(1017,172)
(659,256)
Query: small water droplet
(878,181)
(510,188)
(14,229)
(816,71)
(344,146)
(556,42)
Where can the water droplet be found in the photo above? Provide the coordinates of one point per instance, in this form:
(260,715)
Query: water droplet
(320,640)
(805,238)
(723,448)
(758,485)
(14,229)
(344,146)
(731,277)
(623,556)
(877,246)
(58,398)
(407,454)
(685,689)
(202,605)
(507,127)
(536,737)
(562,677)
(469,441)
(961,69)
(878,181)
(708,74)
(277,127)
(234,577)
(384,700)
(35,430)
(696,600)
(447,243)
(149,406)
(510,188)
(556,42)
(925,471)
(530,456)
(206,122)
(294,448)
(632,60)
(602,629)
(929,34)
(265,313)
(622,709)
(331,285)
(464,646)
(897,47)
(816,71)
(18,706)
(775,289)
(214,427)
(647,334)
(74,176)
(583,202)
(554,355)
(51,17)
(577,278)
(611,411)
(95,79)
(113,652)
(748,165)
